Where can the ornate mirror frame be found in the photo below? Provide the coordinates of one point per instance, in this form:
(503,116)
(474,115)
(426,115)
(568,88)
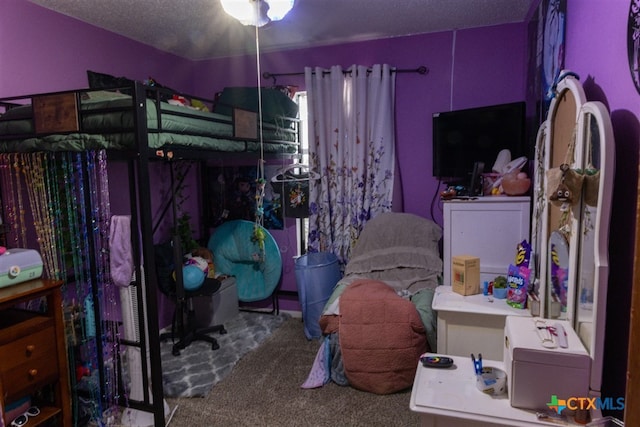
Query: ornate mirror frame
(553,141)
(584,223)
(538,224)
(589,313)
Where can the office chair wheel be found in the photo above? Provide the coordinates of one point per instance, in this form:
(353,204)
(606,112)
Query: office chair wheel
(215,346)
(175,351)
(223,331)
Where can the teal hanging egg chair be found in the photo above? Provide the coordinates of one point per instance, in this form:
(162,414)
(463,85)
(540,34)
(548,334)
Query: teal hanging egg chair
(235,251)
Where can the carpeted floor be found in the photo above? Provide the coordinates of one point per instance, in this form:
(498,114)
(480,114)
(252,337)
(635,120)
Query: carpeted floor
(264,390)
(198,368)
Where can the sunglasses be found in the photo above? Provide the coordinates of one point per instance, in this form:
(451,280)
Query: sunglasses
(21,420)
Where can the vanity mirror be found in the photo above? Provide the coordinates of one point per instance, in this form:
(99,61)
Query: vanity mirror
(590,297)
(555,136)
(570,240)
(558,263)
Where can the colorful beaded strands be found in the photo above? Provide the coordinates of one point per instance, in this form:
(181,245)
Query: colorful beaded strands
(13,200)
(60,202)
(39,195)
(88,213)
(99,221)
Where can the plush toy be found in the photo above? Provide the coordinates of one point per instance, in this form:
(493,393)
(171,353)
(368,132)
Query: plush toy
(199,262)
(563,196)
(206,255)
(198,105)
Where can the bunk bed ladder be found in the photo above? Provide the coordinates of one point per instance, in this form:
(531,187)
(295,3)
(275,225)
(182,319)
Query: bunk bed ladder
(140,199)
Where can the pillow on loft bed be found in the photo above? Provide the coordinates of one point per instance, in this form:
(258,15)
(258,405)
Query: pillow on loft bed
(107,81)
(274,103)
(257,271)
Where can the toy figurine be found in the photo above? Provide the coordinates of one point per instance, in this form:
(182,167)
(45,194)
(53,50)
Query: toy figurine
(562,193)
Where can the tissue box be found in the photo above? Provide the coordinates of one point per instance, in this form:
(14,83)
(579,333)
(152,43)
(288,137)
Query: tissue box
(465,274)
(19,265)
(536,373)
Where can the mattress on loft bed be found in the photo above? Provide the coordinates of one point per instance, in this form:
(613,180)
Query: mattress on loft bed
(108,123)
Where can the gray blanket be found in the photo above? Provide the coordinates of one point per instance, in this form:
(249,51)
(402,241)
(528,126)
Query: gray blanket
(402,250)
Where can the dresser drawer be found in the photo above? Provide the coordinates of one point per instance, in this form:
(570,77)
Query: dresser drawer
(29,376)
(38,345)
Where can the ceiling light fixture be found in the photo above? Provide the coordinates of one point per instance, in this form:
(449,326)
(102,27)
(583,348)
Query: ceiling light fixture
(257,12)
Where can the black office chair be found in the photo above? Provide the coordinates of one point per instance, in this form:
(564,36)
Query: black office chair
(183,327)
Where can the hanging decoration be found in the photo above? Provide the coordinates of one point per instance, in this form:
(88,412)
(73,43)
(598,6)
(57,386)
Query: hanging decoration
(258,13)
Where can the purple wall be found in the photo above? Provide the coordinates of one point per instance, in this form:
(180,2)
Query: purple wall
(43,51)
(475,83)
(596,49)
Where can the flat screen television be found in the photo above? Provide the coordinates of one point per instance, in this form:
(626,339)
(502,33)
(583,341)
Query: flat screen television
(463,137)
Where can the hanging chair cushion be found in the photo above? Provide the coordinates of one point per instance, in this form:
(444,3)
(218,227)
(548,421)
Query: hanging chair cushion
(257,271)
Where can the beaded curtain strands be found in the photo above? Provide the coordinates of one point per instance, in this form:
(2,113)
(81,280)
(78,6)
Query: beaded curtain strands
(22,243)
(53,184)
(9,201)
(93,227)
(55,187)
(100,220)
(78,230)
(12,198)
(33,167)
(81,355)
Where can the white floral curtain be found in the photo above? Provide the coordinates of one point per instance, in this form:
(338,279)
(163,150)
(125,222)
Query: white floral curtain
(352,148)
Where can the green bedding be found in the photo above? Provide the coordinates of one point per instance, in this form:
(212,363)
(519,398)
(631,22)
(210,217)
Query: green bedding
(84,141)
(109,124)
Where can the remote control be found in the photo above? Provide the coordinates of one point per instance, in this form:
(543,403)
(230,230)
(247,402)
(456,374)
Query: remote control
(436,361)
(561,334)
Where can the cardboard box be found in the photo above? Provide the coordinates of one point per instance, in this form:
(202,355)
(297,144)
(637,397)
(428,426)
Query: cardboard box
(465,274)
(536,373)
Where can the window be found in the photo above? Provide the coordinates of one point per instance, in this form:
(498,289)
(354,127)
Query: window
(303,223)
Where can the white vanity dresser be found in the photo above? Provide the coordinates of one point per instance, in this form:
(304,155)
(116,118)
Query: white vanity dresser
(570,265)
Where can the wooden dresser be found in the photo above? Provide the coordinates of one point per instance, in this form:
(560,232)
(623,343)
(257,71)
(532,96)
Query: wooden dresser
(33,357)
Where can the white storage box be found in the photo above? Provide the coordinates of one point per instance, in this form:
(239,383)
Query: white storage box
(536,373)
(19,265)
(220,307)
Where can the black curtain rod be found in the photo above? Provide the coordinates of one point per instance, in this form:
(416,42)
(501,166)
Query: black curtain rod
(420,70)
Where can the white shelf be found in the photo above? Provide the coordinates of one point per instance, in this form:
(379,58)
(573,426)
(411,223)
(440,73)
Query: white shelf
(471,324)
(447,300)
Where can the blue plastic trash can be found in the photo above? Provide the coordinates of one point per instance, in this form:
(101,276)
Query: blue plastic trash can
(316,276)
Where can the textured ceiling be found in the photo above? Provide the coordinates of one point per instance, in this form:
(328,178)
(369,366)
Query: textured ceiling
(200,29)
